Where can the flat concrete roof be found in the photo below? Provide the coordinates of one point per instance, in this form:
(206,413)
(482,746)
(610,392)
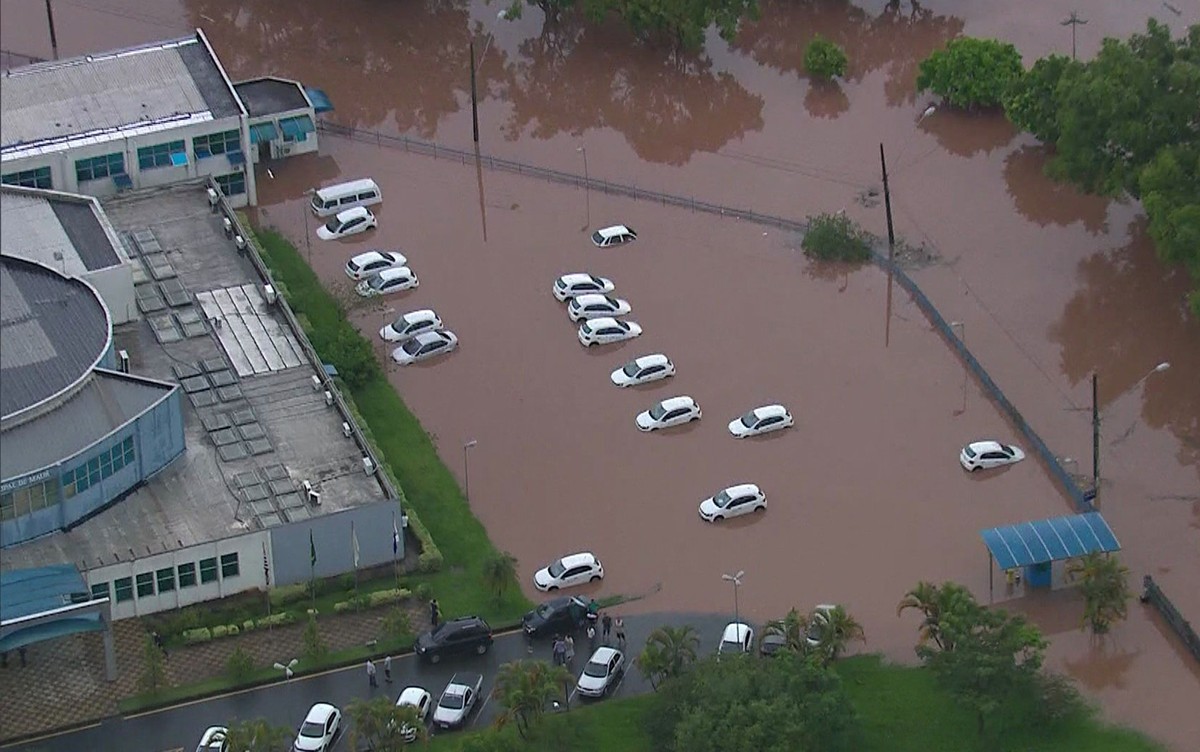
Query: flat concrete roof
(270,95)
(64,231)
(219,487)
(53,105)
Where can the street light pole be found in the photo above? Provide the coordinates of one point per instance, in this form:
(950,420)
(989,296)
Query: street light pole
(736,579)
(587,187)
(467,470)
(1096,422)
(962,337)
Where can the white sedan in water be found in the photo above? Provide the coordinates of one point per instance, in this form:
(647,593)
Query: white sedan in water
(984,455)
(761,420)
(364,265)
(670,412)
(605,331)
(643,370)
(734,501)
(408,325)
(387,282)
(569,285)
(425,346)
(594,306)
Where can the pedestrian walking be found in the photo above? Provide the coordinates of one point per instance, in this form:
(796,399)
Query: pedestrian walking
(591,633)
(371,674)
(620,625)
(569,648)
(158,643)
(21,652)
(435,612)
(387,669)
(606,624)
(559,652)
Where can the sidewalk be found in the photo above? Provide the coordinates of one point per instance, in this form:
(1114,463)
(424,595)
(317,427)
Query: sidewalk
(63,682)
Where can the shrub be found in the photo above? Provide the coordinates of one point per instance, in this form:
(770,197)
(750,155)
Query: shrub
(971,72)
(219,631)
(351,354)
(835,237)
(342,607)
(424,592)
(248,625)
(314,645)
(288,594)
(276,620)
(198,635)
(382,597)
(824,59)
(154,670)
(397,625)
(232,630)
(346,583)
(240,665)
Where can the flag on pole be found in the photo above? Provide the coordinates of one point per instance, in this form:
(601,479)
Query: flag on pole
(395,537)
(266,566)
(354,543)
(312,549)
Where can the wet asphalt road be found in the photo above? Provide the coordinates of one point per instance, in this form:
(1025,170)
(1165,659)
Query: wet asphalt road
(178,729)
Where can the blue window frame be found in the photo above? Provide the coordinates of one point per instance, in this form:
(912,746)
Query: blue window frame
(162,155)
(103,166)
(96,469)
(212,144)
(296,128)
(233,184)
(36,178)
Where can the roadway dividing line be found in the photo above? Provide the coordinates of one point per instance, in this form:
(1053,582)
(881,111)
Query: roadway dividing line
(479,713)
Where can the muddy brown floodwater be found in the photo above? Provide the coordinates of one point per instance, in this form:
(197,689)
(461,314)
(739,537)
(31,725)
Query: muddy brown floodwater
(1050,286)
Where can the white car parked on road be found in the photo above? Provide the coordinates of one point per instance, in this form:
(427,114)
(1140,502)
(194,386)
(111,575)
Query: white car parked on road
(602,673)
(761,420)
(984,455)
(595,305)
(319,729)
(576,569)
(419,699)
(408,325)
(643,370)
(457,700)
(213,740)
(734,501)
(570,285)
(670,412)
(424,346)
(606,331)
(347,223)
(388,281)
(364,265)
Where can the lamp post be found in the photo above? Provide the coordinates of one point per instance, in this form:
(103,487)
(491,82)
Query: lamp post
(736,579)
(587,186)
(1096,421)
(467,469)
(962,338)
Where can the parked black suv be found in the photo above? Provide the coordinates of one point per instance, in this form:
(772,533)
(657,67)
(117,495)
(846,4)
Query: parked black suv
(467,634)
(557,616)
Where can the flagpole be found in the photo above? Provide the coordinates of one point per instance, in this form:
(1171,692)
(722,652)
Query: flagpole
(395,548)
(312,564)
(267,583)
(354,545)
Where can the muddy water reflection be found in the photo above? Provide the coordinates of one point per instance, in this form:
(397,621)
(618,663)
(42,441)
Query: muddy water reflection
(1046,201)
(966,134)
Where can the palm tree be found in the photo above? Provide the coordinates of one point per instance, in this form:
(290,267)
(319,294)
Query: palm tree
(834,630)
(257,736)
(499,570)
(793,628)
(668,652)
(1105,586)
(924,598)
(380,725)
(525,688)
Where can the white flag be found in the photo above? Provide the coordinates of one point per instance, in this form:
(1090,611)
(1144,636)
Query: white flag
(354,542)
(395,536)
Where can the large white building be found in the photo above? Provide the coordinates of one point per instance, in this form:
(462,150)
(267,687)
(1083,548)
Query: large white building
(147,116)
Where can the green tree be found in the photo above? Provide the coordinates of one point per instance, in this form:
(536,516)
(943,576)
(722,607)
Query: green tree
(790,704)
(240,665)
(499,571)
(315,648)
(257,736)
(1031,102)
(351,354)
(933,601)
(379,724)
(836,237)
(668,653)
(793,628)
(525,689)
(1104,581)
(154,669)
(834,630)
(553,9)
(990,661)
(1170,189)
(397,625)
(970,72)
(823,59)
(683,22)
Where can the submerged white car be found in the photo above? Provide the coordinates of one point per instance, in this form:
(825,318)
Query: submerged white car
(761,420)
(388,281)
(983,455)
(737,638)
(570,285)
(670,412)
(425,346)
(605,331)
(607,237)
(734,501)
(643,370)
(350,222)
(364,265)
(594,306)
(408,325)
(576,569)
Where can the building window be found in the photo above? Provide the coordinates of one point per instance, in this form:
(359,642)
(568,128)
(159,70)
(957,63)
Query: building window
(104,166)
(296,128)
(233,184)
(98,468)
(208,570)
(39,178)
(29,499)
(229,566)
(124,589)
(216,143)
(166,579)
(100,590)
(187,575)
(170,154)
(145,584)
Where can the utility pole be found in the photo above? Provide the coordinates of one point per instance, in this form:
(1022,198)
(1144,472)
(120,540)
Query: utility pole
(1073,20)
(1095,436)
(53,36)
(887,205)
(474,97)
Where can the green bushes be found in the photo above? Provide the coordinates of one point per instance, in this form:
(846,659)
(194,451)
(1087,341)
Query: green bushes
(384,597)
(835,237)
(276,620)
(288,594)
(971,72)
(240,665)
(197,635)
(823,59)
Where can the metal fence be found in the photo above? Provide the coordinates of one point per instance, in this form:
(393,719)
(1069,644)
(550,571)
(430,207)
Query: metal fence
(1153,594)
(10,59)
(429,148)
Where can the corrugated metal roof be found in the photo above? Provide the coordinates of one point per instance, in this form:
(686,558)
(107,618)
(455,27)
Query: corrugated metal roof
(38,224)
(24,592)
(1055,539)
(129,88)
(104,404)
(52,332)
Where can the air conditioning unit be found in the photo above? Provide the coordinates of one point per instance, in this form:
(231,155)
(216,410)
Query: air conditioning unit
(368,466)
(314,497)
(328,398)
(213,198)
(240,242)
(123,361)
(228,226)
(270,294)
(346,429)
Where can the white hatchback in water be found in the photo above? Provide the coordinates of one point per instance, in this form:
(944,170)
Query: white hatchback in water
(643,370)
(983,455)
(761,420)
(387,282)
(364,265)
(734,501)
(605,331)
(670,412)
(569,285)
(424,346)
(594,306)
(408,325)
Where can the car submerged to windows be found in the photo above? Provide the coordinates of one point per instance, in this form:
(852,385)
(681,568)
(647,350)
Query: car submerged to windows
(364,265)
(388,281)
(615,235)
(408,325)
(425,346)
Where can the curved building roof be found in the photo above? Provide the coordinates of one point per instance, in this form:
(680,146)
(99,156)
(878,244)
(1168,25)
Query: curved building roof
(53,331)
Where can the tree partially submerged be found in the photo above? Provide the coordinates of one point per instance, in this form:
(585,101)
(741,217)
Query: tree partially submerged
(824,60)
(971,73)
(1104,581)
(836,237)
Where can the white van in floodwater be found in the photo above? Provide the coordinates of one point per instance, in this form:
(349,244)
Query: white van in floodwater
(337,198)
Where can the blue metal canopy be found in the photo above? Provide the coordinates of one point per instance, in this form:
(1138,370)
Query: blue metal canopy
(1055,539)
(321,101)
(24,592)
(263,132)
(296,127)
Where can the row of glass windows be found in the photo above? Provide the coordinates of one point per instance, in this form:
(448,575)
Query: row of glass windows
(29,499)
(212,144)
(233,184)
(147,584)
(103,166)
(170,154)
(97,468)
(38,178)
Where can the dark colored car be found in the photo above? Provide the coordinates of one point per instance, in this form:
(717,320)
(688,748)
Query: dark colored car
(557,616)
(467,634)
(772,643)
